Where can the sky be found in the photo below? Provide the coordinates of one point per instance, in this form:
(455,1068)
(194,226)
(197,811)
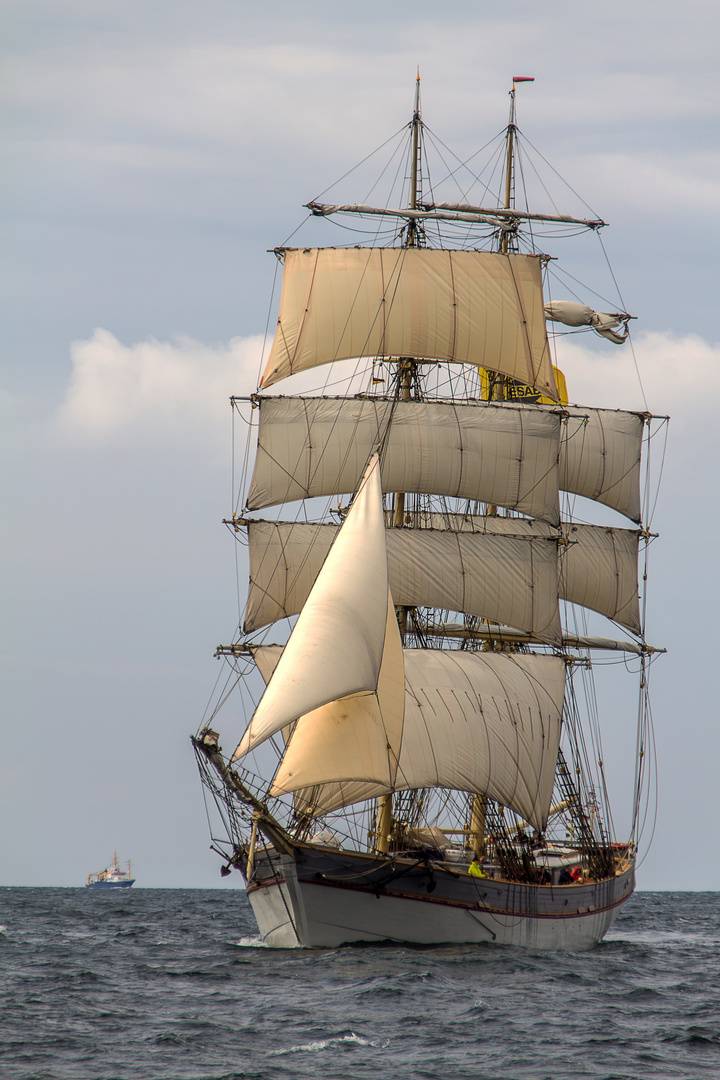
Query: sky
(153,153)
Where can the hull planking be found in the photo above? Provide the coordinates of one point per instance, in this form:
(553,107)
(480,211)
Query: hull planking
(329,898)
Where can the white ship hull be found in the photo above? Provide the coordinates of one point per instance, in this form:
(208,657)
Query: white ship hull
(296,905)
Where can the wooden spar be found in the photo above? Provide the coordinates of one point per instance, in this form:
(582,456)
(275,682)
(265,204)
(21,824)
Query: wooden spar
(504,243)
(207,745)
(556,809)
(251,849)
(505,635)
(383,829)
(406,370)
(500,218)
(412,215)
(477,825)
(492,632)
(510,213)
(412,224)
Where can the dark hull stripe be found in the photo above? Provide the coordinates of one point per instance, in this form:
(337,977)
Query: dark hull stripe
(475,906)
(264,885)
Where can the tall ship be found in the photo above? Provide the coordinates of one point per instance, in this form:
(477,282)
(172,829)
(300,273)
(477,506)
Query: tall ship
(407,746)
(112,877)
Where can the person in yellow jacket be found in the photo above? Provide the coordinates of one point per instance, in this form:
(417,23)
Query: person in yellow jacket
(475,869)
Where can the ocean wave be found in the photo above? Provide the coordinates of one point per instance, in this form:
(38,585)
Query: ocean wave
(349,1040)
(251,943)
(215,1003)
(698,1035)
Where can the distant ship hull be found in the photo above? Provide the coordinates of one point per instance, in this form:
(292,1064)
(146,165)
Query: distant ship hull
(335,898)
(109,884)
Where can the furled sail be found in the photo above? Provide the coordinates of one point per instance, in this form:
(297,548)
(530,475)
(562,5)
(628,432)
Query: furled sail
(603,323)
(473,307)
(337,647)
(502,569)
(474,721)
(499,453)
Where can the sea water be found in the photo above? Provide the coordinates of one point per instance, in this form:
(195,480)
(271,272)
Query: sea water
(174,985)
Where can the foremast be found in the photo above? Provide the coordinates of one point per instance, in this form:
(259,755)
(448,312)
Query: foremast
(406,379)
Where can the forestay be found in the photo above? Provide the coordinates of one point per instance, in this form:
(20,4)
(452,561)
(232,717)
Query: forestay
(472,307)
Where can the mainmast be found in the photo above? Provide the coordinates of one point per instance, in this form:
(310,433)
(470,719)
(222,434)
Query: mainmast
(498,383)
(497,391)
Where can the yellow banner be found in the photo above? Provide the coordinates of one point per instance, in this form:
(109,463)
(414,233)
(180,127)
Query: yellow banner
(517,391)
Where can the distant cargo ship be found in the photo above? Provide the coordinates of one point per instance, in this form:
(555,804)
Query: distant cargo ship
(111,878)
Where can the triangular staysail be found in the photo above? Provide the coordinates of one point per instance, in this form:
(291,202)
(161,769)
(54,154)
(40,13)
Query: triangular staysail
(355,739)
(338,645)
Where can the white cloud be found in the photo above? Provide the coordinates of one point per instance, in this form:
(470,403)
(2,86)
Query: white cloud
(679,375)
(152,386)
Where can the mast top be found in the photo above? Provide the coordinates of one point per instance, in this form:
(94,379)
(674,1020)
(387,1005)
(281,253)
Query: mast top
(517,79)
(416,106)
(414,236)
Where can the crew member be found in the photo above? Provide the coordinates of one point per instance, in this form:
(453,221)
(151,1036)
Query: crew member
(475,869)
